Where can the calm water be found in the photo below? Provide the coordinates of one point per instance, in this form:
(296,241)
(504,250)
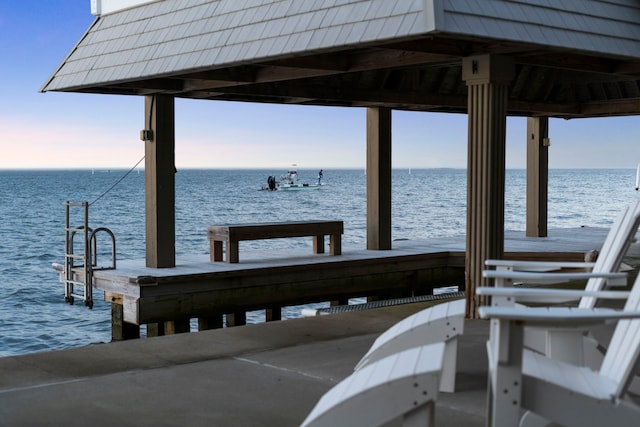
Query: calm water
(426,203)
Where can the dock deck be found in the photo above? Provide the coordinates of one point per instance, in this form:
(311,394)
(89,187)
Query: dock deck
(199,288)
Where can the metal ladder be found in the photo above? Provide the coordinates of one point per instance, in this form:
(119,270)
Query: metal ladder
(79,266)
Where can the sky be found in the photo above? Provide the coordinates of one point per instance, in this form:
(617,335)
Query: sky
(67,130)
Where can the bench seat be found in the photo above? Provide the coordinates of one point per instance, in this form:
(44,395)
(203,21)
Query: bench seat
(232,234)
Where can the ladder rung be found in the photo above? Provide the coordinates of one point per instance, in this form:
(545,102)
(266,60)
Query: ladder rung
(74,282)
(77,230)
(78,296)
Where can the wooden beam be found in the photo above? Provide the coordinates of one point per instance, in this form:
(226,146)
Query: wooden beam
(299,68)
(379,178)
(159,136)
(487,78)
(351,94)
(537,176)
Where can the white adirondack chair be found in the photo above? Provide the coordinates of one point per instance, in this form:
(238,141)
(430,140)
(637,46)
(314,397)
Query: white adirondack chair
(531,388)
(557,342)
(440,323)
(444,322)
(621,235)
(401,388)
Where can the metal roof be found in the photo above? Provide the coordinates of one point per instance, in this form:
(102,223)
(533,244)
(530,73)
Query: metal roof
(573,58)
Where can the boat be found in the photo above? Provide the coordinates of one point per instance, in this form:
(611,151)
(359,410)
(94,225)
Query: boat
(290,182)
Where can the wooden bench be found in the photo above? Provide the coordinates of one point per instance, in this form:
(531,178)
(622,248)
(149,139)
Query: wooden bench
(232,234)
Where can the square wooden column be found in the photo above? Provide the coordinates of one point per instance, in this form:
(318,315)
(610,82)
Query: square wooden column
(378,178)
(159,173)
(487,78)
(537,176)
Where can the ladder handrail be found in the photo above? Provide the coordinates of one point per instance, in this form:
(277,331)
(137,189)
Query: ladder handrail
(94,245)
(89,255)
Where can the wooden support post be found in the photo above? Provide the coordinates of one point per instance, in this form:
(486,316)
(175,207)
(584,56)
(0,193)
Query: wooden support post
(159,170)
(537,175)
(170,327)
(487,78)
(179,326)
(121,330)
(273,313)
(378,178)
(339,301)
(155,330)
(210,322)
(237,318)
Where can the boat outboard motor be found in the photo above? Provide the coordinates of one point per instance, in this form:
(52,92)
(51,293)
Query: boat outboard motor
(271,182)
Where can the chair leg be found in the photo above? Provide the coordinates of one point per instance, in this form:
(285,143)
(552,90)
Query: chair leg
(424,416)
(448,378)
(531,419)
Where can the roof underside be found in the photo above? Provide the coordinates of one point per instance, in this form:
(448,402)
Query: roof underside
(403,55)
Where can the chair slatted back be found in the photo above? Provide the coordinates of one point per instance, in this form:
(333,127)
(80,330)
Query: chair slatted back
(624,349)
(615,246)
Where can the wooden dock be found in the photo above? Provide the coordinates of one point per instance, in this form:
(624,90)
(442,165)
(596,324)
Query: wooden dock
(165,299)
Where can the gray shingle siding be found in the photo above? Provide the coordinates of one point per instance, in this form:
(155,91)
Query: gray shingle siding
(174,36)
(606,27)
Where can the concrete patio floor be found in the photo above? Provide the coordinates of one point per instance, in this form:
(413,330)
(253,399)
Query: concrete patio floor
(269,374)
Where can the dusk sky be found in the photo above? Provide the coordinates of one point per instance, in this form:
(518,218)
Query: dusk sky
(67,130)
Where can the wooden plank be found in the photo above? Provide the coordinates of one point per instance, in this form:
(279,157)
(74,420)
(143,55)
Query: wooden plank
(274,230)
(113,297)
(284,287)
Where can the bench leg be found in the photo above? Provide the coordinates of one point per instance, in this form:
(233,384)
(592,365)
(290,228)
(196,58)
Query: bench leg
(233,250)
(215,250)
(335,244)
(318,244)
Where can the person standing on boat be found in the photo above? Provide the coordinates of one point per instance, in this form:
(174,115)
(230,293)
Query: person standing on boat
(320,175)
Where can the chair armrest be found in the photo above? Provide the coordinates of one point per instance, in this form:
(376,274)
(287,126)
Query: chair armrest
(549,295)
(556,316)
(536,265)
(613,279)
